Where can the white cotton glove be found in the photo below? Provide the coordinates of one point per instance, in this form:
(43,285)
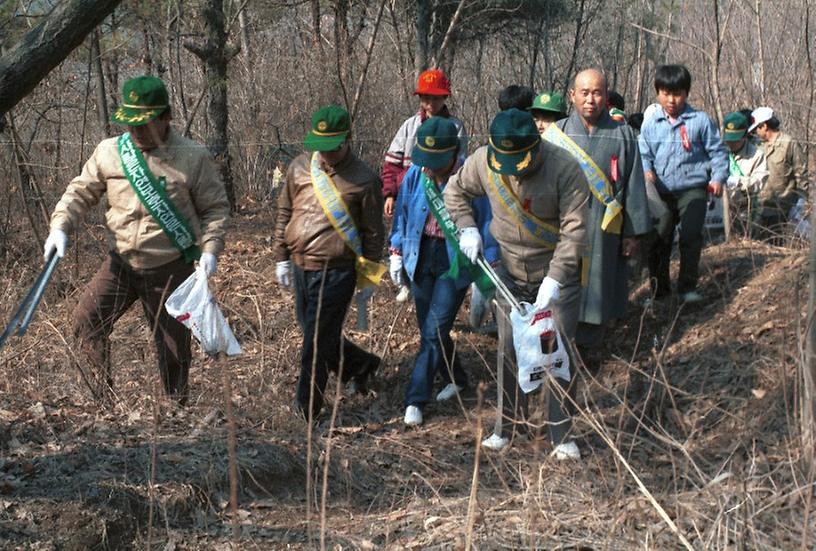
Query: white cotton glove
(283,273)
(395,269)
(732,182)
(209,262)
(57,242)
(548,292)
(470,242)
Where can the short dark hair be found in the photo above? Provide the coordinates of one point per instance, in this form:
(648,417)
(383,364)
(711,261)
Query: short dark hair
(773,123)
(615,100)
(636,121)
(516,96)
(673,78)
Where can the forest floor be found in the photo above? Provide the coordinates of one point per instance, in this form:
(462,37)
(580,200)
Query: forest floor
(689,429)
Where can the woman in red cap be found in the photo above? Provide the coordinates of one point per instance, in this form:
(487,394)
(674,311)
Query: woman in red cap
(433,89)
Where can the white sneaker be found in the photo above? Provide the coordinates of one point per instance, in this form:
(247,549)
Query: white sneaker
(566,450)
(450,390)
(495,442)
(691,297)
(413,416)
(404,293)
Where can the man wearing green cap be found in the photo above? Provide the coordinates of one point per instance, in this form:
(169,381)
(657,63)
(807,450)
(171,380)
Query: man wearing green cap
(617,214)
(537,195)
(167,207)
(547,108)
(747,172)
(329,236)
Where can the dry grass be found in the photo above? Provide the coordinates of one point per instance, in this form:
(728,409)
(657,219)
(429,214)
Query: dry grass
(698,405)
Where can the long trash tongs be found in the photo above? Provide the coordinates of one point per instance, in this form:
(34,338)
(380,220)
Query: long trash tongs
(500,286)
(22,317)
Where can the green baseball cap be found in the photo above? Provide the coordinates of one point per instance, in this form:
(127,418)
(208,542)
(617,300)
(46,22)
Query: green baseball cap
(437,142)
(143,99)
(550,101)
(514,140)
(330,126)
(735,126)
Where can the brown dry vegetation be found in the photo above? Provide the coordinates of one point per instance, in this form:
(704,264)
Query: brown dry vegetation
(700,404)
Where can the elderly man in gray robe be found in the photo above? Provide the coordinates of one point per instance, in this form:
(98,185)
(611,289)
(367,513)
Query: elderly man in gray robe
(617,215)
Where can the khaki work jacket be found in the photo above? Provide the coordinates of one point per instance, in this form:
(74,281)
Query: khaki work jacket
(554,190)
(193,184)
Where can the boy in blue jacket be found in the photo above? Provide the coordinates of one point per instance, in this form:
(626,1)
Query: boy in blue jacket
(684,157)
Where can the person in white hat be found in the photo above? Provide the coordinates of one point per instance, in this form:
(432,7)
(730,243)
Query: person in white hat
(787,165)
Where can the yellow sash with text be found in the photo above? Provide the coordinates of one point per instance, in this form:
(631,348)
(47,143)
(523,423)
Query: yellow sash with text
(369,273)
(599,186)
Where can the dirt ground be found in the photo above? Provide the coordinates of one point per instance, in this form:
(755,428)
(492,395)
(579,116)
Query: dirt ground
(688,428)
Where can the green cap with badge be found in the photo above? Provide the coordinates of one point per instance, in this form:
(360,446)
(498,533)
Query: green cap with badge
(143,99)
(437,143)
(514,141)
(330,126)
(550,101)
(735,126)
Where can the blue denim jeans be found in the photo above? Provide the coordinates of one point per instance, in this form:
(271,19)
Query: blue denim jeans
(437,302)
(333,293)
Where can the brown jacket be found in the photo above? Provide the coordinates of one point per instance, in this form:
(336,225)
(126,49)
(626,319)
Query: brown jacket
(193,184)
(788,178)
(555,191)
(302,231)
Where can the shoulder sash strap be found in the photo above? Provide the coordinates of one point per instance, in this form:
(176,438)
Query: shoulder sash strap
(599,186)
(734,168)
(442,216)
(539,230)
(369,273)
(151,193)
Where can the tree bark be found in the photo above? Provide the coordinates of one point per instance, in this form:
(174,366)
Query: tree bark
(46,45)
(101,96)
(215,54)
(423,31)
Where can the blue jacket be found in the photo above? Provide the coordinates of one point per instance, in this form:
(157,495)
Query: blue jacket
(410,215)
(662,151)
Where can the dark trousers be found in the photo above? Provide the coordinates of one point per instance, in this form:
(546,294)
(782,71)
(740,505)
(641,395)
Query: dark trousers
(437,301)
(688,209)
(513,411)
(321,301)
(113,289)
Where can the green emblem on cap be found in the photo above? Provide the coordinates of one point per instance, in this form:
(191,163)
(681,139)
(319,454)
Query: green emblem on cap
(731,126)
(143,99)
(330,126)
(507,144)
(544,98)
(430,141)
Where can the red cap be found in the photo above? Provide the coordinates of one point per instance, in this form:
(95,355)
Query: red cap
(432,82)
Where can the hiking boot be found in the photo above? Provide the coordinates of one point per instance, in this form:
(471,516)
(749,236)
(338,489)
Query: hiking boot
(413,416)
(450,390)
(358,384)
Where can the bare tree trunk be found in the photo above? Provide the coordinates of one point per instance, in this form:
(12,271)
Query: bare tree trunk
(46,45)
(215,54)
(423,31)
(808,400)
(759,33)
(579,23)
(101,96)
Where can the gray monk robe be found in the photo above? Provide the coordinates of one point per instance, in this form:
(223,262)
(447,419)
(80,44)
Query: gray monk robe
(613,147)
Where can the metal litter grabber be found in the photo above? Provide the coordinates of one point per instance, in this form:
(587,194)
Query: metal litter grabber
(22,317)
(500,286)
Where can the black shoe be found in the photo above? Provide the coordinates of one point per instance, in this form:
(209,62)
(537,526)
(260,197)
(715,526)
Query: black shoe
(359,382)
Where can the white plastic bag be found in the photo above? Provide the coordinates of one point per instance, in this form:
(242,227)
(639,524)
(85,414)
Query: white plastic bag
(193,305)
(539,348)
